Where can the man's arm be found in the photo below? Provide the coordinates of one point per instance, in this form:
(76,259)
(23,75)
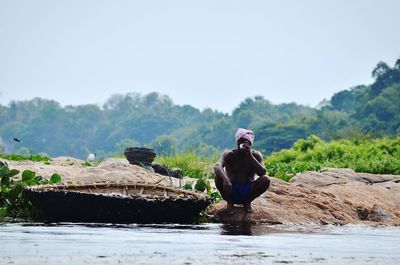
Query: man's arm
(221,174)
(258,163)
(256,160)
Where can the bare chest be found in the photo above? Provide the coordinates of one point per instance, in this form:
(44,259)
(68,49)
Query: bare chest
(239,166)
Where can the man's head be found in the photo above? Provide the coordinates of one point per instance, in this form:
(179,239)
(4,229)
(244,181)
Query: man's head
(243,135)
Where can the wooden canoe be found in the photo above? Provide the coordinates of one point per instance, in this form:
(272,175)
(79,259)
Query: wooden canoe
(117,203)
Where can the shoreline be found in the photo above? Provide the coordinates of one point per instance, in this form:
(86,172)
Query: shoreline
(335,196)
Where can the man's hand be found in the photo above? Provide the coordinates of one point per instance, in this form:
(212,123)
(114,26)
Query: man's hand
(246,147)
(227,187)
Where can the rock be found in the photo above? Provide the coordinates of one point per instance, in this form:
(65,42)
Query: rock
(362,213)
(336,196)
(166,171)
(176,173)
(378,214)
(160,169)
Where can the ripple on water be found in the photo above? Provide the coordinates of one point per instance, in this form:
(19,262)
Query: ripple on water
(68,243)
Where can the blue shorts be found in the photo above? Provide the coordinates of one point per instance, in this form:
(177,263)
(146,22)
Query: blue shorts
(241,192)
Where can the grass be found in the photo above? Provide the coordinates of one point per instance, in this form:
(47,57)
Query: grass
(194,166)
(191,164)
(32,157)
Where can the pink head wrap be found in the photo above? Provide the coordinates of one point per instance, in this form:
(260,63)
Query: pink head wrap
(246,134)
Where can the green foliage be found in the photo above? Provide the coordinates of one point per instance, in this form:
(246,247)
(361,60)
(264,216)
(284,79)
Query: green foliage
(191,164)
(187,186)
(88,164)
(55,178)
(204,185)
(378,156)
(32,157)
(257,111)
(123,144)
(194,166)
(164,145)
(13,202)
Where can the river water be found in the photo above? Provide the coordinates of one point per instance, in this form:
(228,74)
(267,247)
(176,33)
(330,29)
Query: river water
(36,243)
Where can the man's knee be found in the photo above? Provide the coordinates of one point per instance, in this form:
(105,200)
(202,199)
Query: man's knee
(264,182)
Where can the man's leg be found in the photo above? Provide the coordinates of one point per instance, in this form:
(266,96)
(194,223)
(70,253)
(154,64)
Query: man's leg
(219,183)
(259,187)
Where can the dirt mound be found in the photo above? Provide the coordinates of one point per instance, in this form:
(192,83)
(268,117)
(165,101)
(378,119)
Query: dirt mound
(336,196)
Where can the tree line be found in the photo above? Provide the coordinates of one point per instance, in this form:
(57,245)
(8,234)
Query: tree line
(44,126)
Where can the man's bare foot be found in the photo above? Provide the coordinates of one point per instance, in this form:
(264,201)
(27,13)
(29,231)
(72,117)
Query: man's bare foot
(230,208)
(247,208)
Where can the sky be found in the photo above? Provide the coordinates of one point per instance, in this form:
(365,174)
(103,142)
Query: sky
(203,53)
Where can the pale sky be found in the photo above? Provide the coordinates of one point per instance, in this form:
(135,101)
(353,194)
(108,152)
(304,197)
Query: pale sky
(203,53)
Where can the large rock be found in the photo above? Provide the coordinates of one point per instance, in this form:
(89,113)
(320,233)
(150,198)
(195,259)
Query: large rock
(336,196)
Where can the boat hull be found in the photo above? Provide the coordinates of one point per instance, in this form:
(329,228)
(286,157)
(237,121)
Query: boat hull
(69,206)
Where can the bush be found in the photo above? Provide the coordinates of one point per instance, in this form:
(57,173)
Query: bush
(378,156)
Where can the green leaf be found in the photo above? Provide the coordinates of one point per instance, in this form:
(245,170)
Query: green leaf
(3,170)
(55,178)
(38,179)
(3,211)
(216,196)
(187,186)
(208,187)
(12,173)
(201,185)
(28,176)
(5,181)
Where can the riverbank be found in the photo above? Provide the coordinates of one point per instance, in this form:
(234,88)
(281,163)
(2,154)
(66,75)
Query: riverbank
(335,196)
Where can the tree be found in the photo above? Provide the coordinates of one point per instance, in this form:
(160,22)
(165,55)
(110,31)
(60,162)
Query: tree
(164,145)
(122,145)
(385,77)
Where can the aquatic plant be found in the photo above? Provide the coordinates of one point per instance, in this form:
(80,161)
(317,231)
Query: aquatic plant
(13,202)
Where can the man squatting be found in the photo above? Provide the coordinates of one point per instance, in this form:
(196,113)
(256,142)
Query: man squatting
(235,172)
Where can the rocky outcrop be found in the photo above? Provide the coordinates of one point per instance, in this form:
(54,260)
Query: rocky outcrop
(335,196)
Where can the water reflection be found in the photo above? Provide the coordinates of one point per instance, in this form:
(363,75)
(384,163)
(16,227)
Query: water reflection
(241,229)
(248,229)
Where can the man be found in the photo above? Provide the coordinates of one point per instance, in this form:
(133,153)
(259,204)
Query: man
(235,172)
